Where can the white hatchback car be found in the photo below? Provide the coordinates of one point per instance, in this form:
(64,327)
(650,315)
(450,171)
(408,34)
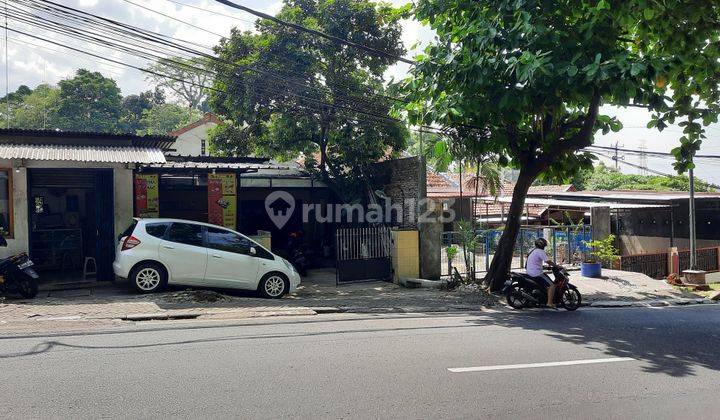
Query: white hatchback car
(152,253)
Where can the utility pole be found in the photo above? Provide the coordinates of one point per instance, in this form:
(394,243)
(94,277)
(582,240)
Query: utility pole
(643,158)
(693,249)
(7,71)
(616,158)
(616,155)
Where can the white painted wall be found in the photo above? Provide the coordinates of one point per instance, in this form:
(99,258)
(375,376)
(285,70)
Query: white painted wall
(123,195)
(189,143)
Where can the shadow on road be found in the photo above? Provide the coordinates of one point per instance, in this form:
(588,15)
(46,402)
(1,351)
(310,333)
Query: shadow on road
(670,341)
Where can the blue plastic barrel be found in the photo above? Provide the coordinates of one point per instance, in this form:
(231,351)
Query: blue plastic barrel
(592,270)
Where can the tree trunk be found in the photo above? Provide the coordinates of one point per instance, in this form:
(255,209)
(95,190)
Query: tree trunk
(502,260)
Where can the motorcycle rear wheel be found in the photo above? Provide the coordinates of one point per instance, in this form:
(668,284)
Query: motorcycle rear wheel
(27,288)
(515,298)
(571,298)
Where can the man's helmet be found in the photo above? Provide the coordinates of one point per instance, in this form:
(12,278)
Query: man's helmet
(540,243)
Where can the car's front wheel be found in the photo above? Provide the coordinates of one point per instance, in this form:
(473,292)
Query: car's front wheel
(148,278)
(273,285)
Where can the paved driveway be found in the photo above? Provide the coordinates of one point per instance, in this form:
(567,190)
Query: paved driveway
(625,286)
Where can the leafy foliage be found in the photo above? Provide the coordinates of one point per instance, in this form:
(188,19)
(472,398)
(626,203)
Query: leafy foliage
(228,140)
(88,102)
(36,110)
(603,250)
(91,102)
(296,93)
(164,118)
(133,107)
(528,78)
(608,179)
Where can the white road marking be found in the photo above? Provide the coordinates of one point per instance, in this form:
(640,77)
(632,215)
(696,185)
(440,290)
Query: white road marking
(537,365)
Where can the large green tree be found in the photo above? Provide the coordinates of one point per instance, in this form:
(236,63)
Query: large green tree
(290,92)
(133,107)
(532,75)
(36,109)
(164,118)
(88,102)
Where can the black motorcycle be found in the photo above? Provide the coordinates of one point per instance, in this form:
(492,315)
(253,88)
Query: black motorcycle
(17,276)
(523,291)
(300,261)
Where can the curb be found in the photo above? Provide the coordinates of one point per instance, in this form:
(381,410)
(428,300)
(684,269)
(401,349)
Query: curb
(650,303)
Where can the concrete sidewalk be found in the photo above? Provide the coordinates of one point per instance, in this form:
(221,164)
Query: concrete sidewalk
(626,286)
(114,304)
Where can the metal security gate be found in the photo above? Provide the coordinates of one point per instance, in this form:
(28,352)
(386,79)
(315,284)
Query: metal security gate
(363,254)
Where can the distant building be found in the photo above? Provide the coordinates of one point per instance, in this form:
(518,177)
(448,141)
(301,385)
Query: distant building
(192,139)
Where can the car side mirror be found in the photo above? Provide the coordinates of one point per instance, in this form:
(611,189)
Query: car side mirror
(253,251)
(3,242)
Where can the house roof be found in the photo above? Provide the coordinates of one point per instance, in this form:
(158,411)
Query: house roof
(439,185)
(248,167)
(83,138)
(633,195)
(208,117)
(82,153)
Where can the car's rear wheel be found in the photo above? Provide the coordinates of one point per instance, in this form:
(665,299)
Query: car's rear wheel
(148,278)
(273,285)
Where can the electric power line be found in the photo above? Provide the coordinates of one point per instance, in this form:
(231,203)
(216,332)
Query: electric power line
(648,152)
(316,32)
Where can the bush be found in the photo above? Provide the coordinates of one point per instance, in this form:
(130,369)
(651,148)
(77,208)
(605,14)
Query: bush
(603,251)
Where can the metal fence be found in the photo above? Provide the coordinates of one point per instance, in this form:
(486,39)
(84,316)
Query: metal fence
(363,253)
(475,250)
(653,265)
(707,259)
(657,265)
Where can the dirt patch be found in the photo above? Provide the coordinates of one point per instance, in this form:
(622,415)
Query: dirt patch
(194,296)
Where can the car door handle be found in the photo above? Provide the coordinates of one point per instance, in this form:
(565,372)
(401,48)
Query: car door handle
(168,247)
(216,256)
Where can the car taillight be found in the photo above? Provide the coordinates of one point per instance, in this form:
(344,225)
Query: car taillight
(130,243)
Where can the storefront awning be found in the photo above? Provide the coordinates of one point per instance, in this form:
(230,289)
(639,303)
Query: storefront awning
(82,153)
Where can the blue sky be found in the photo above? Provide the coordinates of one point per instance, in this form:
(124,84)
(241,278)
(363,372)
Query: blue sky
(33,64)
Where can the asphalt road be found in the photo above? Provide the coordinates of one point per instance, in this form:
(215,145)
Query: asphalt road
(611,363)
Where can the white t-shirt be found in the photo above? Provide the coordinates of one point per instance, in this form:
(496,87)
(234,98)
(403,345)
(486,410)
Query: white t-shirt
(535,260)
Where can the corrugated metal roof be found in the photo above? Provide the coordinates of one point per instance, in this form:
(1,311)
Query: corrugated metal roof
(578,204)
(218,165)
(83,138)
(108,154)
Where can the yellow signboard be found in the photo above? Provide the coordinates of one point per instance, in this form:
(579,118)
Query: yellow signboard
(222,200)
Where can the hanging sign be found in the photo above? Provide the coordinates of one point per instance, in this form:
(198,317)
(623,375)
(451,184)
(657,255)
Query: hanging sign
(146,195)
(222,200)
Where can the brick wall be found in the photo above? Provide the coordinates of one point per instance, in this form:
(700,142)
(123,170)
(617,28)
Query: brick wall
(403,182)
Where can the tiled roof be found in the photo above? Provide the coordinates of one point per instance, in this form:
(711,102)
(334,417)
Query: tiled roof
(440,185)
(76,153)
(209,117)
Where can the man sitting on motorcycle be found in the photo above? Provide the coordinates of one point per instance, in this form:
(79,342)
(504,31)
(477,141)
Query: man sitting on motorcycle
(534,268)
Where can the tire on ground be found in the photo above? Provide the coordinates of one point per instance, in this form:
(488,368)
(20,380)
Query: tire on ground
(271,278)
(148,277)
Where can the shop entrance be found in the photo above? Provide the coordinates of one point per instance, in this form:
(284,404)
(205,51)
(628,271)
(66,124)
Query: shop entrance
(71,222)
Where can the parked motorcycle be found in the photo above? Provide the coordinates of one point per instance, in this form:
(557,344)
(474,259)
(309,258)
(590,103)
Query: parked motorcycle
(522,291)
(300,261)
(17,277)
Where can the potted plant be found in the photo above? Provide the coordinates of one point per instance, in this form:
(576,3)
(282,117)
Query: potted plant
(603,253)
